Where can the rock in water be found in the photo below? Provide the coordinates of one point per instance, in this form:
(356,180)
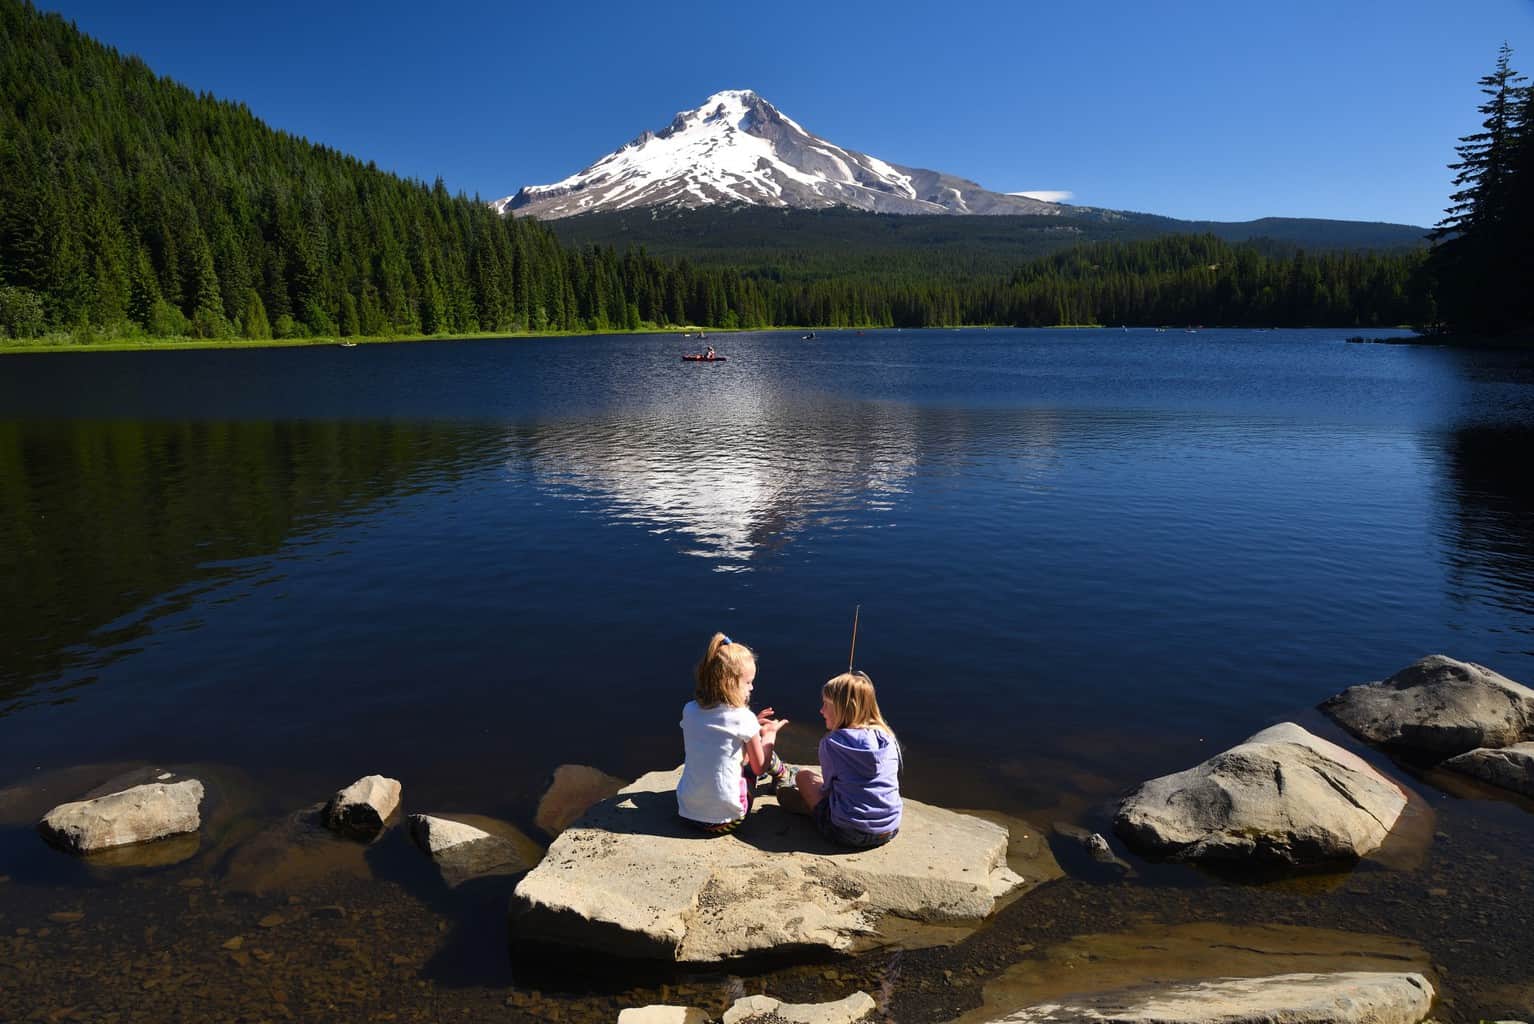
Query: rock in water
(630,879)
(462,852)
(436,835)
(1510,767)
(361,809)
(1437,706)
(1352,998)
(767,1010)
(574,789)
(134,815)
(1283,796)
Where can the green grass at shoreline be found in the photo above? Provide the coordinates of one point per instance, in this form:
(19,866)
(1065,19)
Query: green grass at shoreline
(11,346)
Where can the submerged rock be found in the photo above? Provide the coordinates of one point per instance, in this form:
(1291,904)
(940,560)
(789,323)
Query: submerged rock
(764,1009)
(572,792)
(1350,998)
(362,809)
(135,815)
(631,879)
(1510,767)
(1437,706)
(292,854)
(1283,796)
(1097,847)
(463,851)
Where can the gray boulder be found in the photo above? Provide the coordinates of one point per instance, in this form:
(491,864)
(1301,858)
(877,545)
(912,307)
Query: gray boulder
(630,879)
(463,851)
(362,809)
(1284,796)
(1437,706)
(1350,998)
(135,815)
(1510,767)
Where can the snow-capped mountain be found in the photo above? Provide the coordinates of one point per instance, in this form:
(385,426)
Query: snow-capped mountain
(738,148)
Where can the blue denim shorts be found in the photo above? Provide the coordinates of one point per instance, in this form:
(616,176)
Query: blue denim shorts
(843,836)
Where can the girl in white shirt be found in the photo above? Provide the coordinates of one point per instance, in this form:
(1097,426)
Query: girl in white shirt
(727,746)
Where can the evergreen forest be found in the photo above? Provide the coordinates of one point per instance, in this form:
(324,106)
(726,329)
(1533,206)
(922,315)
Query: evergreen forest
(134,208)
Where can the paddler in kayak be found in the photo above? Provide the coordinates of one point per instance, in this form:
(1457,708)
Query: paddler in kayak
(709,354)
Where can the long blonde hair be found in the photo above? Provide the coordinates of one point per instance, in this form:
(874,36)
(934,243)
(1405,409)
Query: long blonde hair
(851,696)
(718,674)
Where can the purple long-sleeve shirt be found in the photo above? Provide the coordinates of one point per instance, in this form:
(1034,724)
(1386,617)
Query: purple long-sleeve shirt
(861,770)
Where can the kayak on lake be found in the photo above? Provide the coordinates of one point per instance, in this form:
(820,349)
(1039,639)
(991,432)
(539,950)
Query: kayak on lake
(700,358)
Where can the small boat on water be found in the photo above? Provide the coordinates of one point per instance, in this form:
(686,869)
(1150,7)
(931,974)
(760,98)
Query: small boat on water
(807,337)
(348,344)
(699,357)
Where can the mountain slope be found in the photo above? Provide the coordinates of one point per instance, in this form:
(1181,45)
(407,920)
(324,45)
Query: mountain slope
(738,148)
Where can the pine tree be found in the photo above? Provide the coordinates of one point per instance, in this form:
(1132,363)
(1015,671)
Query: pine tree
(1477,247)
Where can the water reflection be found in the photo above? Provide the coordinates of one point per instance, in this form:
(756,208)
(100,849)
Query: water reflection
(107,526)
(1492,549)
(734,489)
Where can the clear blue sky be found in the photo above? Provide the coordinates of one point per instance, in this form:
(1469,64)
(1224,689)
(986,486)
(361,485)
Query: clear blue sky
(1222,110)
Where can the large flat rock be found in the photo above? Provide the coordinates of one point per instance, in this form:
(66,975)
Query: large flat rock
(1510,768)
(135,815)
(1437,706)
(1350,998)
(1283,796)
(631,879)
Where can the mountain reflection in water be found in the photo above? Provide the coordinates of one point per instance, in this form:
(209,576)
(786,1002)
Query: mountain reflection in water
(739,487)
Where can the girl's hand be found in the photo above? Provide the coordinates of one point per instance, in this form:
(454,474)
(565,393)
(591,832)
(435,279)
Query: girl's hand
(770,729)
(763,716)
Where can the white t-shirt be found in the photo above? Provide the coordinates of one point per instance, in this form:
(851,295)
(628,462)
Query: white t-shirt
(714,737)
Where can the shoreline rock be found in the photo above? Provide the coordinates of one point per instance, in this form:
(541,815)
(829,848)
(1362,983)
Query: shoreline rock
(1510,768)
(630,879)
(463,852)
(1283,796)
(1356,997)
(139,814)
(1437,706)
(362,809)
(764,1009)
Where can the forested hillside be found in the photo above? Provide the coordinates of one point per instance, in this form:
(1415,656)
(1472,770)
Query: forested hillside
(132,207)
(834,241)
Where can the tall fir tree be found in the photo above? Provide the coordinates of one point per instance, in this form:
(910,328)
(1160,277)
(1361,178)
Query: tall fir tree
(1479,255)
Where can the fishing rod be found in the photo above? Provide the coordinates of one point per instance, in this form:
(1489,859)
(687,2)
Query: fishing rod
(854,651)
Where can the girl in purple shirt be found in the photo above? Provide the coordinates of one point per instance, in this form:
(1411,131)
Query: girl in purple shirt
(855,796)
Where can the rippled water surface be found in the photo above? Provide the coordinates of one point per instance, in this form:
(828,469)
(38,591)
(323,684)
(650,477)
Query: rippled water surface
(1083,557)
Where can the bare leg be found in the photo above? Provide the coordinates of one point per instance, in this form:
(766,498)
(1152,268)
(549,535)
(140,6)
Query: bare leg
(811,786)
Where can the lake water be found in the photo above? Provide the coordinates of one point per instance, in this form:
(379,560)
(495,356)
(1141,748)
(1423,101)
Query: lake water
(1083,558)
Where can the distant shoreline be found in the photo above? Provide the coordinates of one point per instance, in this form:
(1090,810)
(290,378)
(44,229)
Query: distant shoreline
(1507,342)
(11,346)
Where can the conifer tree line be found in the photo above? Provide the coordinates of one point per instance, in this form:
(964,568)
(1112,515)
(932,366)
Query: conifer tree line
(131,206)
(1483,257)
